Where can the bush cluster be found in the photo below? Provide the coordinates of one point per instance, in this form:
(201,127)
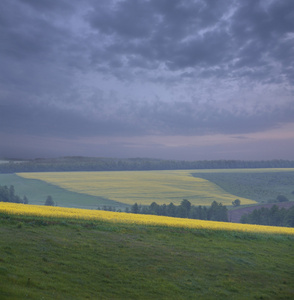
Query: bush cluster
(8,195)
(270,216)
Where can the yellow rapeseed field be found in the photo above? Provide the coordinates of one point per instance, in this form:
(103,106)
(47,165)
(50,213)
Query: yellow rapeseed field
(115,217)
(143,187)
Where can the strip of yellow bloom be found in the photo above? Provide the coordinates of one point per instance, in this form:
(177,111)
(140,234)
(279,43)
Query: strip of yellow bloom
(117,217)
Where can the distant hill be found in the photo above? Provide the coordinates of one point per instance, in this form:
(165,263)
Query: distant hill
(79,163)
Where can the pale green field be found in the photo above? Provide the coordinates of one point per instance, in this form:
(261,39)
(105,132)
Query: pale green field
(257,170)
(262,185)
(143,187)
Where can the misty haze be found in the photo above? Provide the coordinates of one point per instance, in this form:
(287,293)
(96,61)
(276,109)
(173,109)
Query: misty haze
(146,149)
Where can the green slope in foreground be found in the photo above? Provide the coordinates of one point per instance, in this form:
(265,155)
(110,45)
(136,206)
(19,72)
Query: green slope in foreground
(99,260)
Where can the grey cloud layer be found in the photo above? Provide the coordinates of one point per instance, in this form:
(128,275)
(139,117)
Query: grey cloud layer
(183,54)
(229,35)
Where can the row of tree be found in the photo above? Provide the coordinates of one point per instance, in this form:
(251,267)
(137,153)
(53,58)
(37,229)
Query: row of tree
(216,212)
(8,195)
(270,216)
(79,163)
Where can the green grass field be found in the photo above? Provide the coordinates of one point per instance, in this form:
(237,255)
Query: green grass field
(261,185)
(66,259)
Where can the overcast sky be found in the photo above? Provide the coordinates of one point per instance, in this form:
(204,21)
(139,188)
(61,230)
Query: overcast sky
(188,80)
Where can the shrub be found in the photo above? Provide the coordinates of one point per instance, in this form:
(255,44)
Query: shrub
(236,202)
(49,201)
(282,198)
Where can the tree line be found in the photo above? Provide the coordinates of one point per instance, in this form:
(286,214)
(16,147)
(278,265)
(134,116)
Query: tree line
(7,194)
(270,216)
(216,212)
(78,163)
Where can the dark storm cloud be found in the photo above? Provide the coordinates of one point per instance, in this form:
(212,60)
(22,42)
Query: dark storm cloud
(130,68)
(163,31)
(49,121)
(228,34)
(134,120)
(264,30)
(26,34)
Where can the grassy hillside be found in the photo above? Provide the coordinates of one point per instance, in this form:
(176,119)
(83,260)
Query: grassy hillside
(44,258)
(261,185)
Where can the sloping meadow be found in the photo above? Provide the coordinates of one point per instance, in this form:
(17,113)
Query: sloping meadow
(67,253)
